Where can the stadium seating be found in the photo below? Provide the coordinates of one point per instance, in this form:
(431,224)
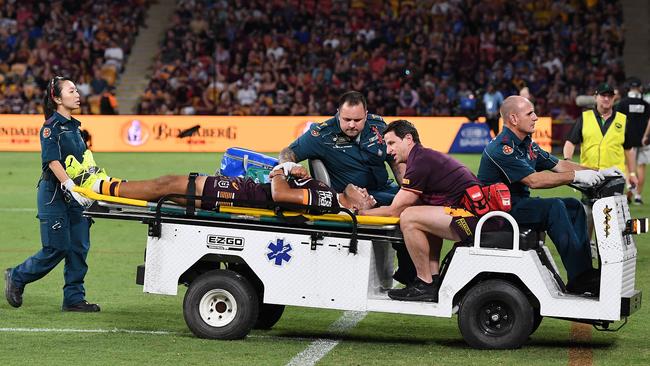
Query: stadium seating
(301,54)
(40,39)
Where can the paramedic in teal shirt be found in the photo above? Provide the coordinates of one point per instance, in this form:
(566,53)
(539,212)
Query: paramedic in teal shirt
(516,160)
(65,232)
(352,149)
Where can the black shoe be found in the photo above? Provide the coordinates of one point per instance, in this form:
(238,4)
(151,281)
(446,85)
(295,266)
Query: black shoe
(588,282)
(82,307)
(13,293)
(417,291)
(404,277)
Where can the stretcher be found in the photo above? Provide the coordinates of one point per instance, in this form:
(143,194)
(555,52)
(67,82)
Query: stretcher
(242,265)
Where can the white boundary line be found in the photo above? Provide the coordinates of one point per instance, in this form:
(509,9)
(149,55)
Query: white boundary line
(136,331)
(321,347)
(71,330)
(17,209)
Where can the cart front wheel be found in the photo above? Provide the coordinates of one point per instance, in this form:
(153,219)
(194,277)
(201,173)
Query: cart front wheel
(220,304)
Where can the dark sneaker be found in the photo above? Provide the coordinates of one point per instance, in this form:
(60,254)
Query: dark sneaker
(404,277)
(588,282)
(82,307)
(417,291)
(13,293)
(638,201)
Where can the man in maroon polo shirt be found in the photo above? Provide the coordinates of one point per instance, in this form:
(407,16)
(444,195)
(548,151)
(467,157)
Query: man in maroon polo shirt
(428,205)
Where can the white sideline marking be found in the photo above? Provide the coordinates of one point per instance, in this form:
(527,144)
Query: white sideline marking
(134,331)
(321,347)
(70,330)
(17,209)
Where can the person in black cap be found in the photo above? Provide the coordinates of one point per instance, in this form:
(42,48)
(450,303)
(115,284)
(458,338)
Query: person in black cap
(602,134)
(637,111)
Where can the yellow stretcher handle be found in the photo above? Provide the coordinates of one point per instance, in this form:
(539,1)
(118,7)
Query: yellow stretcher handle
(87,192)
(365,220)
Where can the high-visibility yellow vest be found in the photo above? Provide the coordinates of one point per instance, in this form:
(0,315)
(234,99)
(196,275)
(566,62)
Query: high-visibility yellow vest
(598,151)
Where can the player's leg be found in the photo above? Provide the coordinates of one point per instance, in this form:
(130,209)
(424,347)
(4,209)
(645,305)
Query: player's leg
(151,189)
(421,224)
(435,247)
(641,176)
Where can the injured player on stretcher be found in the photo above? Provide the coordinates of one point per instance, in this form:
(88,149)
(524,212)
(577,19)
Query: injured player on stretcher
(290,183)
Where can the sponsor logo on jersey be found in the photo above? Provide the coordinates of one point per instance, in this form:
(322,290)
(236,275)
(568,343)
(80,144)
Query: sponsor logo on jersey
(225,184)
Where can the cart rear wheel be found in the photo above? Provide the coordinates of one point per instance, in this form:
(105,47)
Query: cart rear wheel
(220,304)
(495,314)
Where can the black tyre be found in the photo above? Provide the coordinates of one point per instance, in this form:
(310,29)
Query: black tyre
(537,320)
(495,314)
(220,304)
(269,315)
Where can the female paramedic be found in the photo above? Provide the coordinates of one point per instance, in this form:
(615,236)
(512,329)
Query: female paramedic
(65,233)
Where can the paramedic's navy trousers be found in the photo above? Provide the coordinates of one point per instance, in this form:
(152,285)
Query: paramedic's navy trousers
(65,235)
(565,222)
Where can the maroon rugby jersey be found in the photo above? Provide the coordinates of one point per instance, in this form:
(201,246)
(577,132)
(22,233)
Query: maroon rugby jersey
(316,193)
(437,178)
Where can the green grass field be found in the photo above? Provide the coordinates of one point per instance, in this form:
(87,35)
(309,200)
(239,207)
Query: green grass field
(40,332)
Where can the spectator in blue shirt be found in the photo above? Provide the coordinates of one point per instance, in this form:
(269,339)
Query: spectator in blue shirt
(492,100)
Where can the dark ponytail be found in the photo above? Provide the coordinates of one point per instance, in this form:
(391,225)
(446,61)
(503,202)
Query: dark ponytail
(53,90)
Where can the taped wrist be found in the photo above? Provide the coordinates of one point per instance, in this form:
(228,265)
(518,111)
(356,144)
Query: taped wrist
(68,184)
(286,167)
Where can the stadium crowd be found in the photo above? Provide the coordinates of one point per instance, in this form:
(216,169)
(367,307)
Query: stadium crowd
(87,41)
(409,57)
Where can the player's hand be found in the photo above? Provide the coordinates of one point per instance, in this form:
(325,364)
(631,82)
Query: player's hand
(292,169)
(611,172)
(633,180)
(68,186)
(299,172)
(588,177)
(645,141)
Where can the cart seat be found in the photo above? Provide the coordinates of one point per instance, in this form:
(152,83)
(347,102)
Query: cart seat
(529,239)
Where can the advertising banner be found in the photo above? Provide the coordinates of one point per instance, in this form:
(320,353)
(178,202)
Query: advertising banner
(146,133)
(472,137)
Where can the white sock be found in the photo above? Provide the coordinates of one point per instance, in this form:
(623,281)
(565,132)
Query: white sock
(97,186)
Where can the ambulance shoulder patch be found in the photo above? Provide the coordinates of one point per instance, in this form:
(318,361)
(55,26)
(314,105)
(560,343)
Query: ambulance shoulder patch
(47,132)
(507,149)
